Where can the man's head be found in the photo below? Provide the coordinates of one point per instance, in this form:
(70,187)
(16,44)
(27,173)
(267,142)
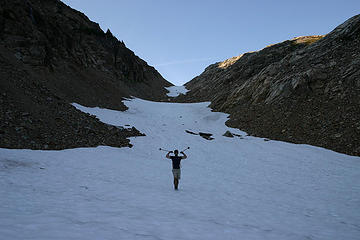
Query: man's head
(176,152)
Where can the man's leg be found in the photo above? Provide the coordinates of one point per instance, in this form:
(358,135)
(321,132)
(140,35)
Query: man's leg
(176,173)
(176,183)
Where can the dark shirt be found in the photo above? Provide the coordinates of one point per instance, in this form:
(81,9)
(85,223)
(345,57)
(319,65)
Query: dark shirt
(176,161)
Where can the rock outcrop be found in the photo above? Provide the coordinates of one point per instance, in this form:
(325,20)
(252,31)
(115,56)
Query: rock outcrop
(52,55)
(305,90)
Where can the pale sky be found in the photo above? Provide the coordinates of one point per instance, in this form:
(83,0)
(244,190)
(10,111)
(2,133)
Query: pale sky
(181,38)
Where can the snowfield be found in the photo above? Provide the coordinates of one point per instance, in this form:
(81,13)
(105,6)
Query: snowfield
(231,188)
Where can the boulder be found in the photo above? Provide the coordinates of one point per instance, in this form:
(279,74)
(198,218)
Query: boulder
(228,134)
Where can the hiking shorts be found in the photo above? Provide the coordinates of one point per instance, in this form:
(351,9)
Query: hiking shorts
(176,173)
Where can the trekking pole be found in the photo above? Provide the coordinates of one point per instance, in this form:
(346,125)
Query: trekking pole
(185,149)
(161,149)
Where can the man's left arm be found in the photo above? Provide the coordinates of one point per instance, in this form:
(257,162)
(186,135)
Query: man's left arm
(183,157)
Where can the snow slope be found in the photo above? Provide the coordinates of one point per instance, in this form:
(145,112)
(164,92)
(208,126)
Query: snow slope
(231,188)
(175,91)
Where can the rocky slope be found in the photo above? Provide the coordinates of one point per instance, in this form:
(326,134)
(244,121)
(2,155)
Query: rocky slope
(305,90)
(52,55)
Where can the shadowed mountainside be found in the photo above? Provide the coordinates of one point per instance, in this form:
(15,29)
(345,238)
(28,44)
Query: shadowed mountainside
(52,55)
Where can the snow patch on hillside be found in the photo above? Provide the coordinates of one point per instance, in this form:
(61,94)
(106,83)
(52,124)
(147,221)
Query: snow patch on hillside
(175,91)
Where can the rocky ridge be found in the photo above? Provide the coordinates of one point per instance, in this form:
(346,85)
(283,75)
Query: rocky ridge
(304,90)
(51,56)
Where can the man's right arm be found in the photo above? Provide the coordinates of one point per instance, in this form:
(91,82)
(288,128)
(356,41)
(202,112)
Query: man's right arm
(168,155)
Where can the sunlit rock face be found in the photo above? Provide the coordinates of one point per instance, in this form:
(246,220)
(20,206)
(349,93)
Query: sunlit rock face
(304,90)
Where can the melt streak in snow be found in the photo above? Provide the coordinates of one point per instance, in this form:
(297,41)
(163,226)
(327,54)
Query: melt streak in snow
(231,188)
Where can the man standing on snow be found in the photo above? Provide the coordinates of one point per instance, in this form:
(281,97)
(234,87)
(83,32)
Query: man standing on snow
(176,165)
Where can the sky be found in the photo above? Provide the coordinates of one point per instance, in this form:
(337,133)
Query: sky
(181,38)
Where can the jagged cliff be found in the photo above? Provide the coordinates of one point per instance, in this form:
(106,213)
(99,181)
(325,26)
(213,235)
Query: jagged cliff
(305,90)
(52,55)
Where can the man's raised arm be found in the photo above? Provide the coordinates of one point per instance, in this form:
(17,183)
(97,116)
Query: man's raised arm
(168,154)
(183,157)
